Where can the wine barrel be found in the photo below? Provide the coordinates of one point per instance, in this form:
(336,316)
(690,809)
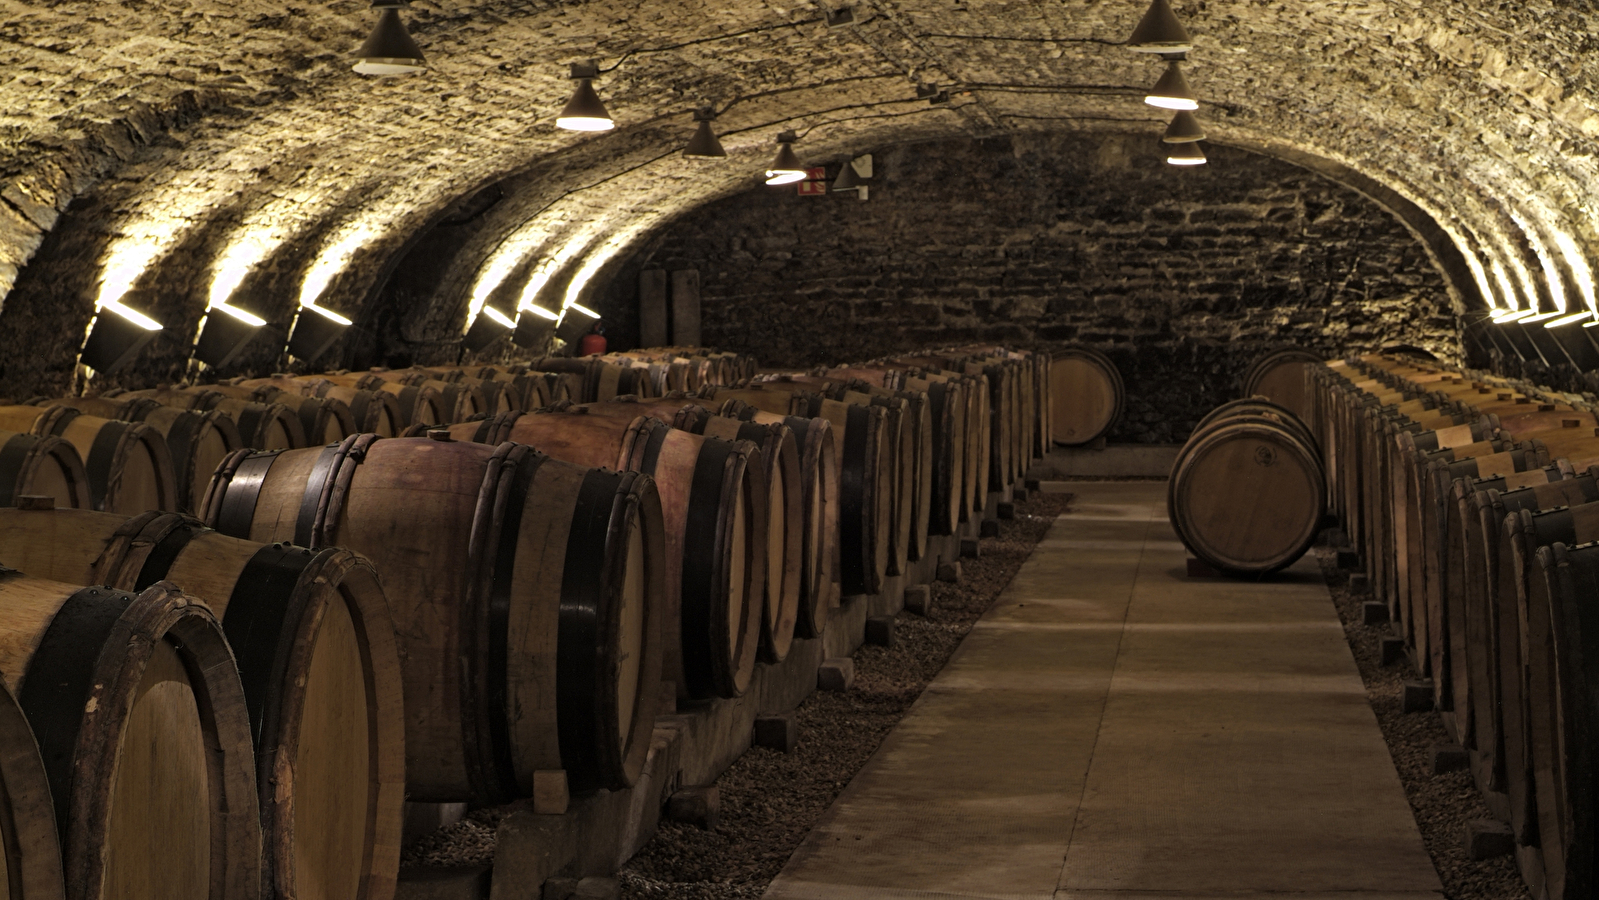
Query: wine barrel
(1561,717)
(1246,496)
(371,412)
(265,426)
(1280,377)
(713,503)
(947,404)
(196,441)
(601,380)
(867,474)
(320,669)
(30,851)
(326,420)
(818,475)
(145,737)
(1086,395)
(459,401)
(128,464)
(417,403)
(42,466)
(1260,406)
(524,591)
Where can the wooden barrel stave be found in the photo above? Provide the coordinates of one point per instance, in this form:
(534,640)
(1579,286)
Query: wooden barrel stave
(31,465)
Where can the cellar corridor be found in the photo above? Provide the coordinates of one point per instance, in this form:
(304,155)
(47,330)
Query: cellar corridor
(1113,729)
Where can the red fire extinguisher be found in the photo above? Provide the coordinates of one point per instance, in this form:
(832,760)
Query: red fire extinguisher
(593,343)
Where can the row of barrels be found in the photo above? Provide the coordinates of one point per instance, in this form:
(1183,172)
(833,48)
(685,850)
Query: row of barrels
(1247,492)
(1473,502)
(533,596)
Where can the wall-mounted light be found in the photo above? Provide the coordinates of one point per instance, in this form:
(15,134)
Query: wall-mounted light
(1542,316)
(1514,316)
(534,327)
(585,112)
(315,330)
(489,326)
(848,179)
(118,334)
(227,330)
(1184,128)
(786,168)
(575,322)
(1160,31)
(1567,320)
(704,145)
(1186,154)
(1172,90)
(389,49)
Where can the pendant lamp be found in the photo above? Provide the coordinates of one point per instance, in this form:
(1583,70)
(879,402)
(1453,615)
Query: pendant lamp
(1172,90)
(786,168)
(389,49)
(1184,128)
(1160,31)
(585,112)
(704,145)
(1186,154)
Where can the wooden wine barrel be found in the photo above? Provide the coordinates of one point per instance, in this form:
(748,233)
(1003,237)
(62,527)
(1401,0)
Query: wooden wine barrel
(1280,377)
(48,466)
(459,400)
(1086,394)
(867,474)
(417,403)
(326,420)
(371,412)
(1247,496)
(320,669)
(127,463)
(1561,716)
(713,503)
(196,441)
(946,406)
(601,380)
(265,426)
(819,526)
(30,851)
(524,590)
(145,737)
(1260,406)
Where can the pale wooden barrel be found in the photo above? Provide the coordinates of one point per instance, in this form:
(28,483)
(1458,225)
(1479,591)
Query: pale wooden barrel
(1247,496)
(127,463)
(371,412)
(197,441)
(525,592)
(47,466)
(417,403)
(30,850)
(459,400)
(1086,395)
(320,668)
(713,503)
(145,736)
(265,426)
(1280,377)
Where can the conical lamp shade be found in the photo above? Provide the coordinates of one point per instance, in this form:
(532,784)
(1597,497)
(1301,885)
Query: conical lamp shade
(389,49)
(1160,31)
(1187,154)
(585,112)
(704,145)
(848,179)
(786,168)
(1172,91)
(1184,127)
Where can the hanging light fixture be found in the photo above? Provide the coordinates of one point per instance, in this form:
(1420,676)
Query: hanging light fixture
(786,168)
(1183,129)
(389,49)
(704,145)
(1186,154)
(315,330)
(1172,90)
(118,334)
(1160,31)
(585,112)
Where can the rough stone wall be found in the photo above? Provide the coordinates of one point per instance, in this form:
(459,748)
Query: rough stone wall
(1183,276)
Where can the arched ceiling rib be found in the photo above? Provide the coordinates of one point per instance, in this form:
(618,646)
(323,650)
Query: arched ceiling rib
(237,132)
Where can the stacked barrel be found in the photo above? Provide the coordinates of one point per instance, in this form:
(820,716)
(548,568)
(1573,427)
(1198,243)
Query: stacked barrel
(257,616)
(1473,503)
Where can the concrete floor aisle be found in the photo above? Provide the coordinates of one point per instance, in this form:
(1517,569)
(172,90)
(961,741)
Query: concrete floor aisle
(1115,730)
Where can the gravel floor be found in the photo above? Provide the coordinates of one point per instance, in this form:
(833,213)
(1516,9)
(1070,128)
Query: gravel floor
(1442,803)
(770,800)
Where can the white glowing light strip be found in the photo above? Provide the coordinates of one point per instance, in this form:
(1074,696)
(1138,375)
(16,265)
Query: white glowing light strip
(1579,266)
(332,260)
(237,260)
(1541,316)
(325,313)
(1515,316)
(498,317)
(132,315)
(1477,273)
(1590,324)
(582,309)
(245,317)
(1507,290)
(1567,320)
(1551,272)
(541,312)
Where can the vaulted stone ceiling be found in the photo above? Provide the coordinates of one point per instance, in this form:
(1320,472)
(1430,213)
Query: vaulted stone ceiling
(184,150)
